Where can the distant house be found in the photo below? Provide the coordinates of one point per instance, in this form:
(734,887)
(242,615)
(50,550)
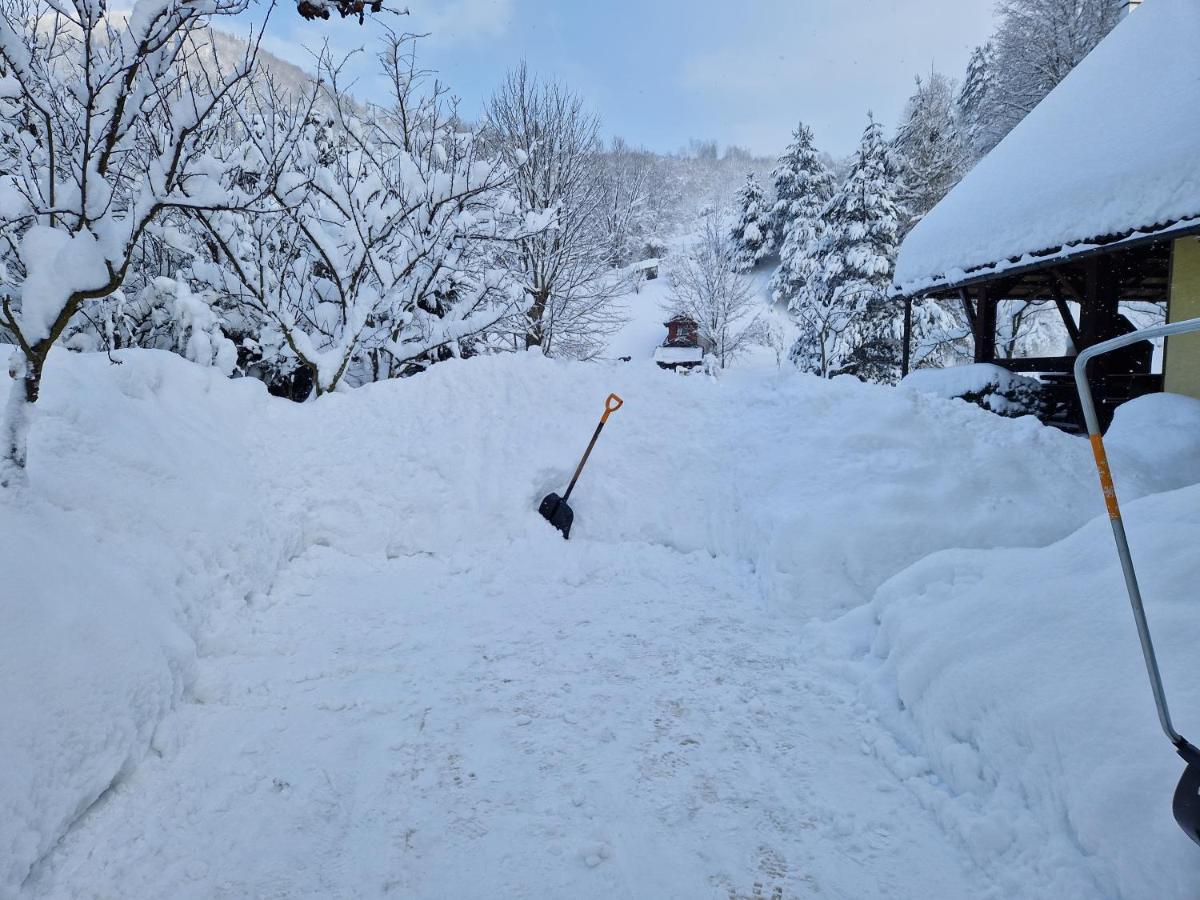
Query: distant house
(683,348)
(1093,200)
(647,269)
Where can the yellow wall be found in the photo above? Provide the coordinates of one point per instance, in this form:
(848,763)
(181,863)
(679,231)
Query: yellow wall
(1182,365)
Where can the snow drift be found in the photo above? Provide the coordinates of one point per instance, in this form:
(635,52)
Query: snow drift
(147,517)
(163,496)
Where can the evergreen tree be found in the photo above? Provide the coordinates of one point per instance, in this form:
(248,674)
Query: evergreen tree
(808,187)
(930,148)
(751,237)
(798,168)
(849,322)
(974,103)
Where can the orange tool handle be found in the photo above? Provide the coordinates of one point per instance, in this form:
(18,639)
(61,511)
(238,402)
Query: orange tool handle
(611,405)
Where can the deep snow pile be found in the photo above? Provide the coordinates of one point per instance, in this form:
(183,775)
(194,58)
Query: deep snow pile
(1013,684)
(146,520)
(990,386)
(1016,697)
(179,496)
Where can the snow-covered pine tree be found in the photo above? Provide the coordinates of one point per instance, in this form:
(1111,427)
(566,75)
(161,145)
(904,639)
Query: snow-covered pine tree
(751,235)
(792,177)
(929,147)
(973,106)
(808,186)
(851,324)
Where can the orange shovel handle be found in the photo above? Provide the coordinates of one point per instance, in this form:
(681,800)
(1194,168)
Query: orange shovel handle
(611,405)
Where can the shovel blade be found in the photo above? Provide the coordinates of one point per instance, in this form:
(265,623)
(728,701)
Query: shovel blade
(554,509)
(1187,802)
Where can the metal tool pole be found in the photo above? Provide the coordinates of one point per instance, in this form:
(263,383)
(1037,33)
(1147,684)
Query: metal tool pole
(1114,509)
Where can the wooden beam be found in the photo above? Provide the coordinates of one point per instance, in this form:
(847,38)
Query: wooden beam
(1065,312)
(968,308)
(906,351)
(1075,281)
(1098,312)
(1038,364)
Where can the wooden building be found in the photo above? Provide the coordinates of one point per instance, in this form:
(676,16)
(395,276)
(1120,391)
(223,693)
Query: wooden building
(1092,201)
(646,269)
(683,347)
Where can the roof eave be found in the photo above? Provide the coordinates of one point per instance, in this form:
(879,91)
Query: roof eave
(1047,258)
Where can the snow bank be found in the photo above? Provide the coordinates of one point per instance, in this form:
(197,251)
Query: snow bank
(164,496)
(1015,687)
(818,483)
(1159,434)
(146,517)
(993,387)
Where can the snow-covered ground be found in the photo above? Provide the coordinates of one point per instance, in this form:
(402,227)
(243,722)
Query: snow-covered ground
(807,638)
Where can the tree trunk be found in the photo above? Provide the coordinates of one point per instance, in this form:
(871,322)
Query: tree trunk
(26,373)
(534,335)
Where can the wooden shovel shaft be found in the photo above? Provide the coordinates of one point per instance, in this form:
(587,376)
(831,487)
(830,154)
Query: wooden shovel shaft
(611,405)
(586,454)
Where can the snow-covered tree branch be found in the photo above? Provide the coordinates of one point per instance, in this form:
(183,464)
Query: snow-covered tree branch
(706,287)
(546,135)
(381,250)
(105,124)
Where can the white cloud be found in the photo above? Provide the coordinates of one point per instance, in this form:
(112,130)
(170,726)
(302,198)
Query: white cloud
(828,65)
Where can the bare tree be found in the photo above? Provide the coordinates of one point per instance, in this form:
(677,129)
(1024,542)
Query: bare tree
(706,287)
(551,141)
(378,252)
(1036,44)
(931,149)
(624,178)
(104,127)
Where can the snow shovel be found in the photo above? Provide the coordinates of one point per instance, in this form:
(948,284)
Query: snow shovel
(1186,803)
(554,509)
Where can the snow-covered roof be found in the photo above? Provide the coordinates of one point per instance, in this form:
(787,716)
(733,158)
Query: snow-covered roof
(1112,151)
(644,264)
(678,355)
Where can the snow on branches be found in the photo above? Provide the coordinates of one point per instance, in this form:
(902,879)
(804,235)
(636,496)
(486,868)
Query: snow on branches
(706,288)
(105,126)
(848,321)
(380,252)
(547,136)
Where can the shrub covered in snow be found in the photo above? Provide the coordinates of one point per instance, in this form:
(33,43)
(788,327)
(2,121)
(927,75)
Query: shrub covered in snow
(989,386)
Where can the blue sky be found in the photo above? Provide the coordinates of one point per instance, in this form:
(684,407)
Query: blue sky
(662,71)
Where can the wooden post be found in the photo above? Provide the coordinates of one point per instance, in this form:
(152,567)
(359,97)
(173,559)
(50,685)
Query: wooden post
(1098,322)
(985,330)
(1065,312)
(906,350)
(968,308)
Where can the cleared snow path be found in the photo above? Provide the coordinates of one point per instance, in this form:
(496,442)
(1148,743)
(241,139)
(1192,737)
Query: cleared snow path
(611,722)
(438,697)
